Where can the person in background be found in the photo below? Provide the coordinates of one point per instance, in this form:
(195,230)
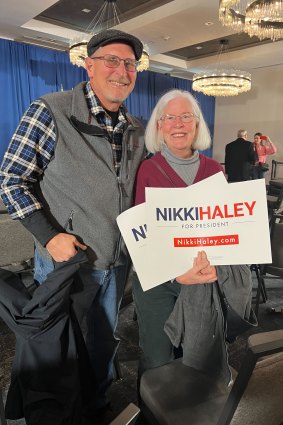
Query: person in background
(69,171)
(263,146)
(240,156)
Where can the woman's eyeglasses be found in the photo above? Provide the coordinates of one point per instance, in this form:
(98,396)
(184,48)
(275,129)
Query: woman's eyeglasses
(187,117)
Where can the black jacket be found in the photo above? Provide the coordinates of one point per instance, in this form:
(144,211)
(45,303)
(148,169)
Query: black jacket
(51,375)
(239,157)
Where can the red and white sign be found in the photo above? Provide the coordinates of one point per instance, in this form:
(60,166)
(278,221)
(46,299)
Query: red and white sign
(228,221)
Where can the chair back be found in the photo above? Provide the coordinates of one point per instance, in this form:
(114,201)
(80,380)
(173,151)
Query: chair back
(261,402)
(276,169)
(276,236)
(175,394)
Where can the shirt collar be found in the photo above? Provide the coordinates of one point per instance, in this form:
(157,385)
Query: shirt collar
(95,106)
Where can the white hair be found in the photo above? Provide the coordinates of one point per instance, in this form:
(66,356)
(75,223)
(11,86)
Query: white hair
(242,133)
(153,139)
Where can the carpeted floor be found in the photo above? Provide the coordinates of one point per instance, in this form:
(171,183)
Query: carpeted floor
(123,391)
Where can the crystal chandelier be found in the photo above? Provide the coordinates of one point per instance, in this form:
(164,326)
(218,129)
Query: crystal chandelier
(106,17)
(261,18)
(220,81)
(78,50)
(144,60)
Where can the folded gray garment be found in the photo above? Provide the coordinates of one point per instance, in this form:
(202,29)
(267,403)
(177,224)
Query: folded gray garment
(197,322)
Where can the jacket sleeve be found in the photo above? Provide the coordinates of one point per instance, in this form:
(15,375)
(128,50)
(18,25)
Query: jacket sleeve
(253,156)
(29,153)
(270,149)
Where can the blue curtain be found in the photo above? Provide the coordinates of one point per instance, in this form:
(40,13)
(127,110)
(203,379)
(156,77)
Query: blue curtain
(27,72)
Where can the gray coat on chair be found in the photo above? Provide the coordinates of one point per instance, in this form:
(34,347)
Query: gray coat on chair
(197,321)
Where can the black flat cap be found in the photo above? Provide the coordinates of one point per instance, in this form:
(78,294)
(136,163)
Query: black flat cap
(111,36)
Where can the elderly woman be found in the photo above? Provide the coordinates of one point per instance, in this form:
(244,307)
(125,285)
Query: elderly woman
(175,133)
(263,146)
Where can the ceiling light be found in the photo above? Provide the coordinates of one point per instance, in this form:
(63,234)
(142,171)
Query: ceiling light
(199,47)
(261,18)
(78,50)
(221,81)
(144,60)
(106,17)
(209,23)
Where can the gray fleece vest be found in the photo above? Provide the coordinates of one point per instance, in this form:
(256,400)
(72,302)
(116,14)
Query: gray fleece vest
(80,190)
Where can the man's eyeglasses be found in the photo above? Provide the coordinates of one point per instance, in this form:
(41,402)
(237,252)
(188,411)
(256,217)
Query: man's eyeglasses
(112,61)
(185,118)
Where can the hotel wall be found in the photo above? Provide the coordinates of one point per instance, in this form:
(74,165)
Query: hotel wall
(261,109)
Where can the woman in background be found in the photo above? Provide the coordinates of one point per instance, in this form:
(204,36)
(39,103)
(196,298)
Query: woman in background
(263,146)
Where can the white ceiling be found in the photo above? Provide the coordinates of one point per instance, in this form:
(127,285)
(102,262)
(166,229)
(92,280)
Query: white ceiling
(177,24)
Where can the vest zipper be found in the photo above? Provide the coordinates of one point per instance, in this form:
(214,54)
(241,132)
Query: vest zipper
(69,222)
(122,194)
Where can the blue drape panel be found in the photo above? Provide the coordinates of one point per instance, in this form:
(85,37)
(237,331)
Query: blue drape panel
(14,83)
(28,72)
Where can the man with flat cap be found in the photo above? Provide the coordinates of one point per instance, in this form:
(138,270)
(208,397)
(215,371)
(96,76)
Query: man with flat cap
(69,171)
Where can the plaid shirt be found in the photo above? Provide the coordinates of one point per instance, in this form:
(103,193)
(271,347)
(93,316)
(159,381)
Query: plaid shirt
(32,148)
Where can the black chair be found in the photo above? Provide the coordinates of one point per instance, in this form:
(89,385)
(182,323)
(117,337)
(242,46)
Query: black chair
(275,269)
(275,166)
(275,185)
(175,394)
(274,198)
(261,288)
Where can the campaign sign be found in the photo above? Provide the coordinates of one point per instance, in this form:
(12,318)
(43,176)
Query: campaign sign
(133,227)
(228,221)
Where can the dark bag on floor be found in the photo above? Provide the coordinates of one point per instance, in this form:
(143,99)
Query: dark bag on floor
(235,324)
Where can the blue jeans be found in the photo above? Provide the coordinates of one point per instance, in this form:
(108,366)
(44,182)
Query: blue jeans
(96,296)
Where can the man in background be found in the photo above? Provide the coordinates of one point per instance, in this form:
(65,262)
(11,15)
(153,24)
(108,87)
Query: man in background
(69,171)
(240,156)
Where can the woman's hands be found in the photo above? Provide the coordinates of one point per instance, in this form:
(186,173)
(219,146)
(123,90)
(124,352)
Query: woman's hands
(201,272)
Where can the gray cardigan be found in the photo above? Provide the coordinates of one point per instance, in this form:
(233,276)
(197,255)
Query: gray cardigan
(197,321)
